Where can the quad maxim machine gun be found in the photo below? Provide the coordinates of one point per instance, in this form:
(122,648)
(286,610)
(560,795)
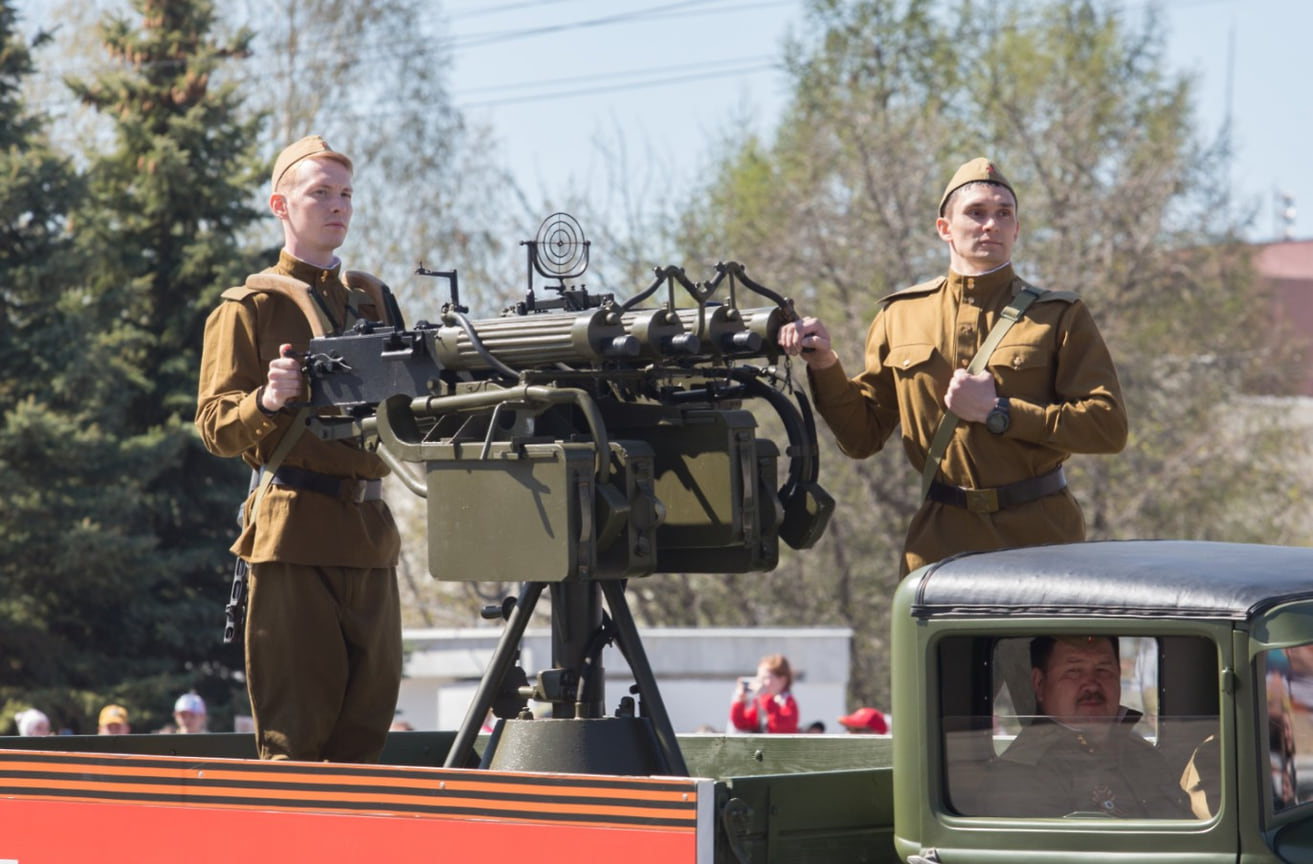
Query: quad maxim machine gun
(572,444)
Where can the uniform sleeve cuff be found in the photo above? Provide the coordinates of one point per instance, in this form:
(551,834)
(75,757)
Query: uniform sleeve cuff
(253,416)
(1027,421)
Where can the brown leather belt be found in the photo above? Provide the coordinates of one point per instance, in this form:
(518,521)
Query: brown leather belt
(344,488)
(1001,497)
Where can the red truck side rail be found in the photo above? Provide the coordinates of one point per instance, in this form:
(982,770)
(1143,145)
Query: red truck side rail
(58,808)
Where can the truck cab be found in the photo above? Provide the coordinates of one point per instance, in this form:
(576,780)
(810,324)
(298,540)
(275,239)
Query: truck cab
(1215,706)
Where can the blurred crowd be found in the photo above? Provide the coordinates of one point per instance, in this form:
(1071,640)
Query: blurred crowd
(189,716)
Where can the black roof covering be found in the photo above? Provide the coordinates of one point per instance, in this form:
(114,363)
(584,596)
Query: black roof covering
(1130,578)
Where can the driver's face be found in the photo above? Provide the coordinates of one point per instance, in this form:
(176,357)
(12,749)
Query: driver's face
(1082,682)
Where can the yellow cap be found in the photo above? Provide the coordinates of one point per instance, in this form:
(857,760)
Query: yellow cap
(307,147)
(978,170)
(113,714)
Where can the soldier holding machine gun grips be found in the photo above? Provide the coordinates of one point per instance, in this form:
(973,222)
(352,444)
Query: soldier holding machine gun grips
(323,622)
(1041,389)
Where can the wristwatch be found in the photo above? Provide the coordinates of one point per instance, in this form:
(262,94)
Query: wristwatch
(998,419)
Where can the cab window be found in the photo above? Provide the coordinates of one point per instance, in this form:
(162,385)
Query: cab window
(1097,726)
(1288,676)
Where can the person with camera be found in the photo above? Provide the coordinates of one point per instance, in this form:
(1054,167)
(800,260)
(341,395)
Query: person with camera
(764,704)
(1025,370)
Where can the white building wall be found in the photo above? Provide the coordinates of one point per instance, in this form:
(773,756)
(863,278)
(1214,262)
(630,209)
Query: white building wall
(696,671)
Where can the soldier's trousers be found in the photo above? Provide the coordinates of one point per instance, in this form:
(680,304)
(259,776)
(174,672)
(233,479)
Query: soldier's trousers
(323,660)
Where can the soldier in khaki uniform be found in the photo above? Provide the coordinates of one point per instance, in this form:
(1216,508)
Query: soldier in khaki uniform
(1049,390)
(323,627)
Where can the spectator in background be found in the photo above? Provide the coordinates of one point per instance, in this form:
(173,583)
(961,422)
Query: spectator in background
(189,713)
(865,721)
(113,721)
(816,728)
(32,723)
(766,706)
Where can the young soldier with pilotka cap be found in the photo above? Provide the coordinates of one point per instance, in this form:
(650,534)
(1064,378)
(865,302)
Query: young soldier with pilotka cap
(323,623)
(989,411)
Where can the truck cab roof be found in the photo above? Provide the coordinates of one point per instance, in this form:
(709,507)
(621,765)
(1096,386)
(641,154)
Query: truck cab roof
(1118,578)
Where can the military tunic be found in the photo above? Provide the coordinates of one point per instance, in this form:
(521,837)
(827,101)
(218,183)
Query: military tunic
(323,632)
(1054,368)
(1052,770)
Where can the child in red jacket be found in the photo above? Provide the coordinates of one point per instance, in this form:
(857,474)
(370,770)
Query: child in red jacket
(770,707)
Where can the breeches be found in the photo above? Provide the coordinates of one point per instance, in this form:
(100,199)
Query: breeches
(323,660)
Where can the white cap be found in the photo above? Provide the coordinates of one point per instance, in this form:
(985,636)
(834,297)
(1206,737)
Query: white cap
(189,702)
(28,720)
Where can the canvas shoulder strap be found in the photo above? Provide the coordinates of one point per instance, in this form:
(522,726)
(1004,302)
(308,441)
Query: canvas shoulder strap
(299,293)
(276,458)
(1010,315)
(365,288)
(293,289)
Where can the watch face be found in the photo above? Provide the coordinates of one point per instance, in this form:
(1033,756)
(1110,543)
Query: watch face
(997,421)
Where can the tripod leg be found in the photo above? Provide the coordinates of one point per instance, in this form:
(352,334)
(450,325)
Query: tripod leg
(462,752)
(632,648)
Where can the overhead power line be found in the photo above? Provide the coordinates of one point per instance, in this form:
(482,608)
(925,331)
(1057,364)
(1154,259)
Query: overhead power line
(326,52)
(660,81)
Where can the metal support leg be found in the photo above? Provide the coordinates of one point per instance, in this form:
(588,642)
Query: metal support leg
(632,648)
(462,752)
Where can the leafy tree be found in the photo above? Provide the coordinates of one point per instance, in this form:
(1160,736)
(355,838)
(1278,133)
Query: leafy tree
(123,563)
(1119,201)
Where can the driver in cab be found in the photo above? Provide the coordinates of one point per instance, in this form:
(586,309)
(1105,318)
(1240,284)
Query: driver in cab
(1080,755)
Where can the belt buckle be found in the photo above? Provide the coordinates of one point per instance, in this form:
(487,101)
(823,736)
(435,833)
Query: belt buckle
(982,500)
(359,488)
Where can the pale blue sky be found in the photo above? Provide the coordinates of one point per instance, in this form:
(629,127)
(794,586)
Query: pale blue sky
(665,78)
(553,76)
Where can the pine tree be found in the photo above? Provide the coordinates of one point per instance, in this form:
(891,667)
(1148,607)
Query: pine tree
(133,585)
(41,423)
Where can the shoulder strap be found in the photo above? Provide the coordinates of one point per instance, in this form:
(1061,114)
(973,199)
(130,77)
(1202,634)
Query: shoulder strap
(1063,296)
(913,290)
(276,458)
(1010,315)
(293,289)
(362,285)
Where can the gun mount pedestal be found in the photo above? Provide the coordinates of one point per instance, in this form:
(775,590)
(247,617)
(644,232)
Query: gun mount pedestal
(578,738)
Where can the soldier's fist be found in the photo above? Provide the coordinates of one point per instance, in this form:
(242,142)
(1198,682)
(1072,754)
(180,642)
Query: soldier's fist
(808,338)
(283,382)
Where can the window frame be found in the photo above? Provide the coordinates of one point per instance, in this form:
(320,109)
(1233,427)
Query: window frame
(953,688)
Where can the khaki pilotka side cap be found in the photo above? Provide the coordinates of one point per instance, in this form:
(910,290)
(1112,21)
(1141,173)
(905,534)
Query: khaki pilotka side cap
(978,170)
(307,147)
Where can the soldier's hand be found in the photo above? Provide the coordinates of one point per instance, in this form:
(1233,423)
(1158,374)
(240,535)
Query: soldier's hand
(971,397)
(283,382)
(808,338)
